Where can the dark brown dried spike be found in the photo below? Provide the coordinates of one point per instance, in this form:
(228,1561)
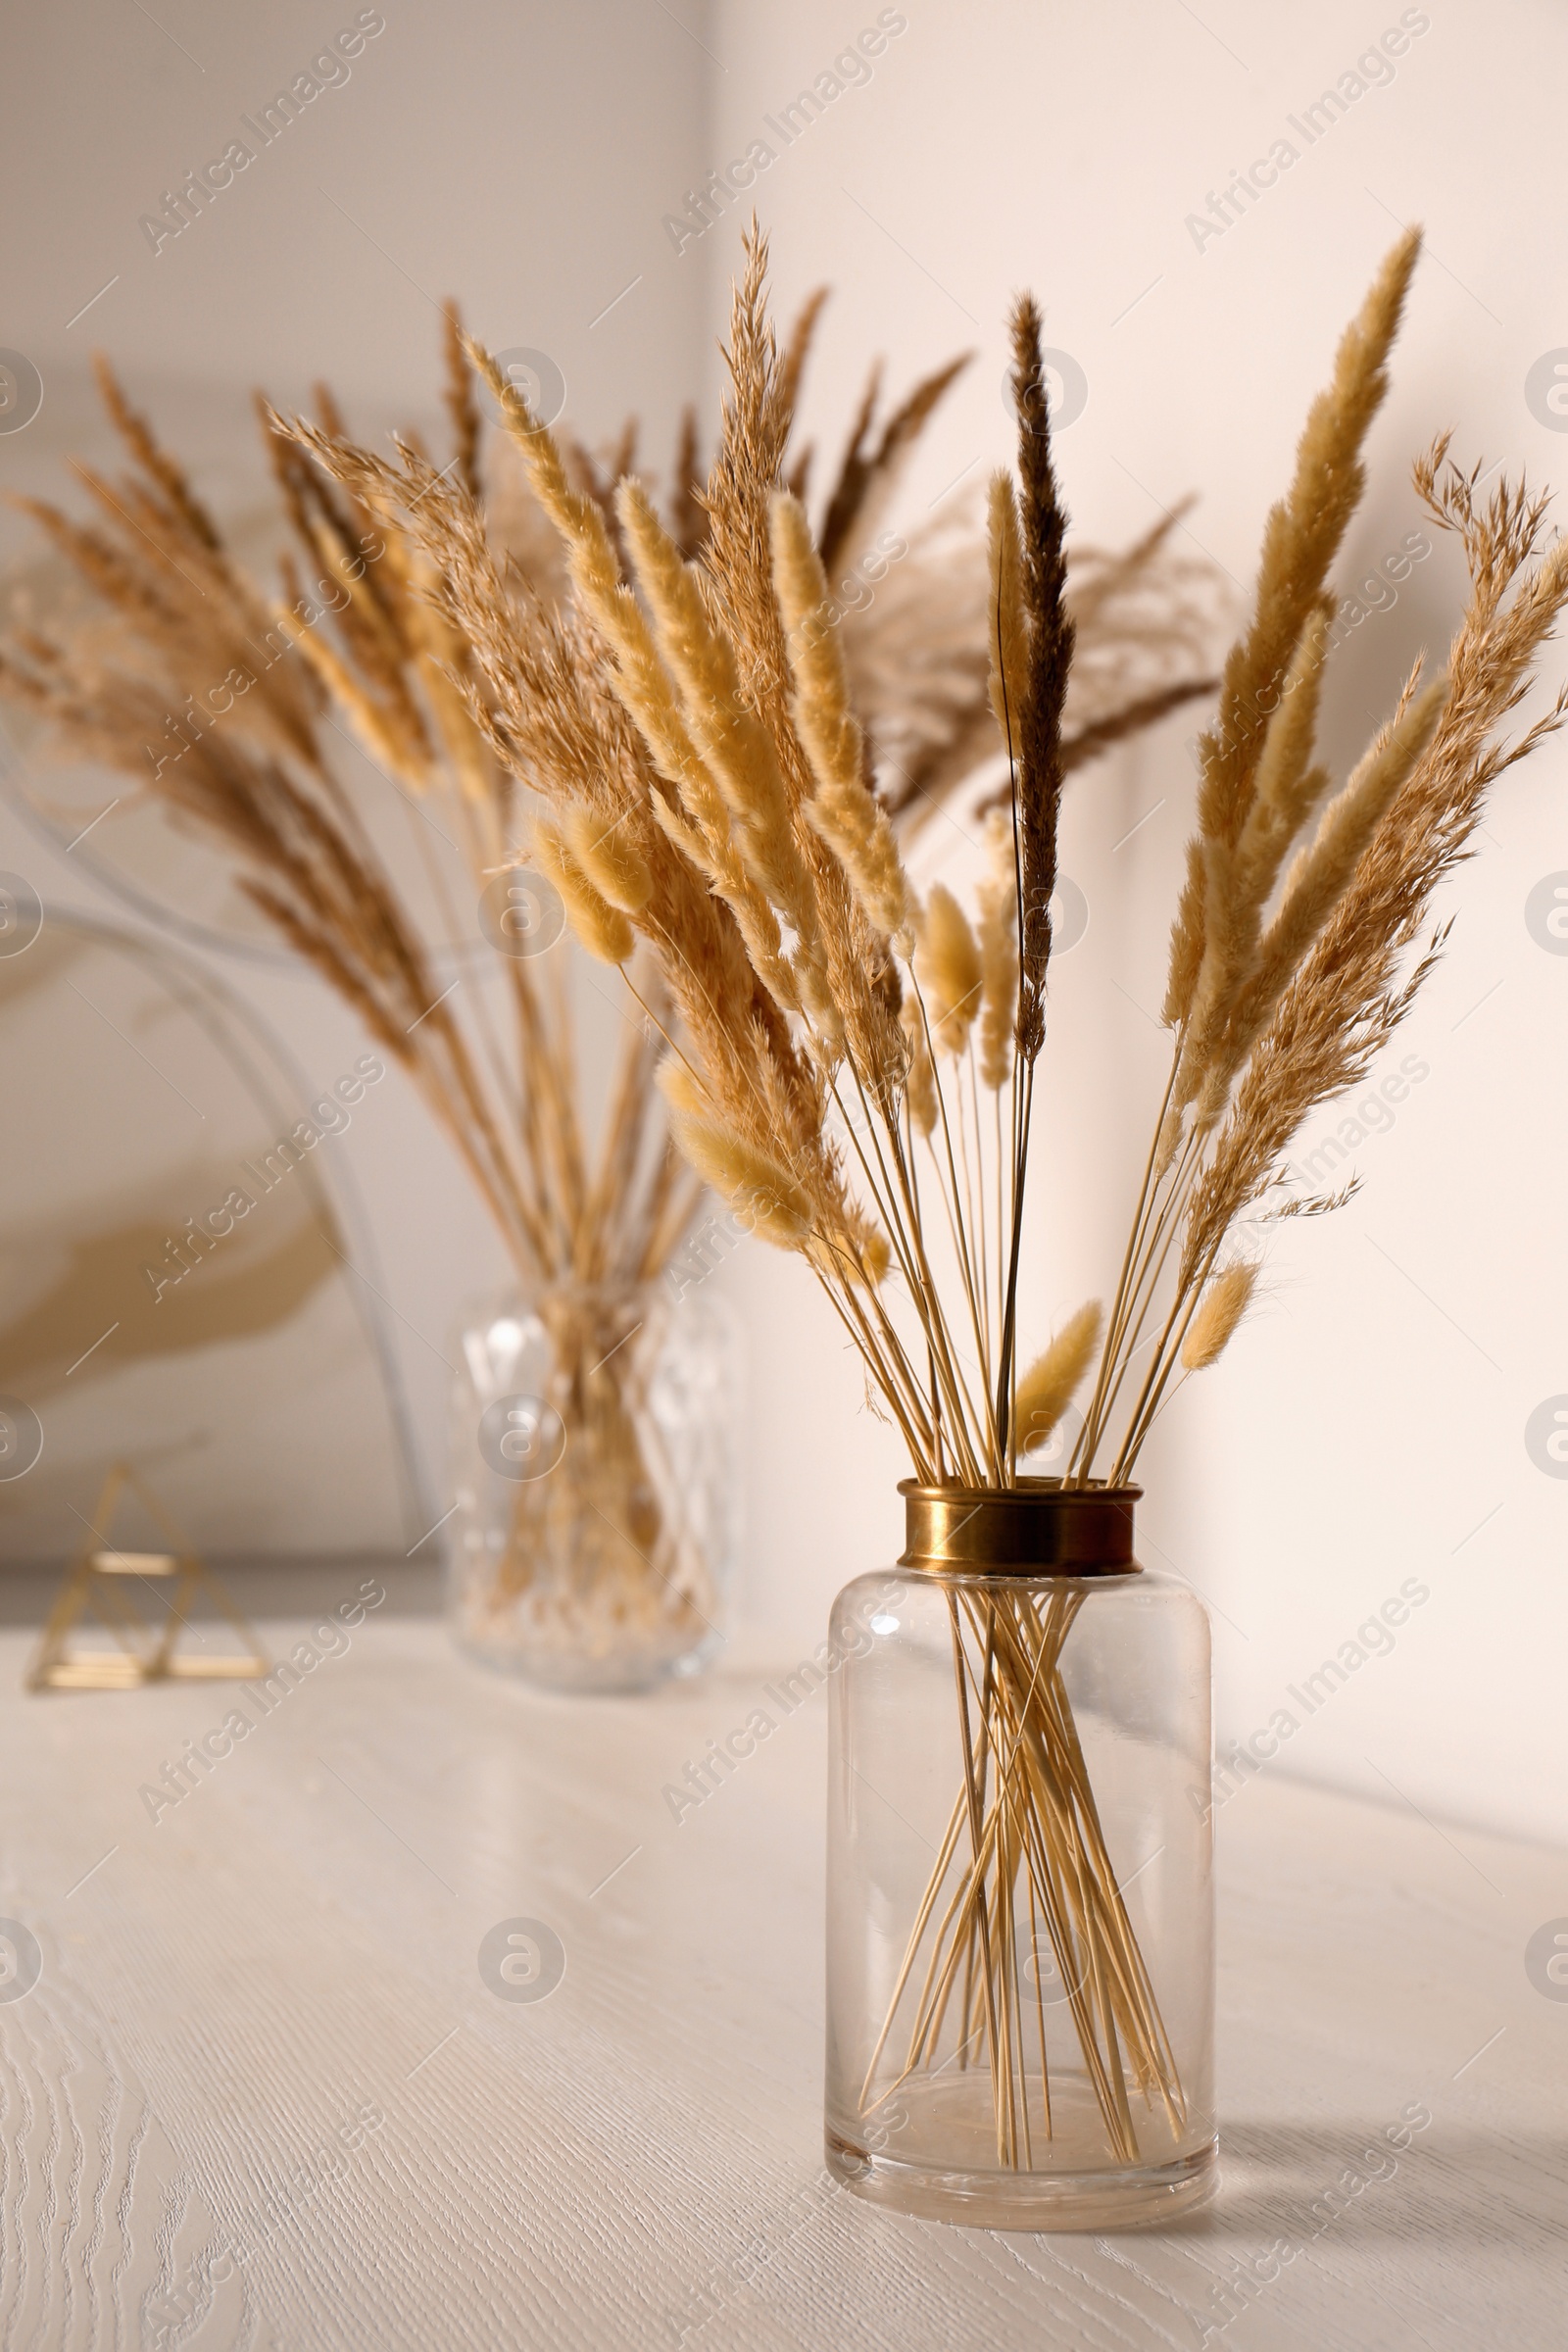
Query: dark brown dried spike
(1038,765)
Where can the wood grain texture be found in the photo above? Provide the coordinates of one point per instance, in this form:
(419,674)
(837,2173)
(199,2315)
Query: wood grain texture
(262,2097)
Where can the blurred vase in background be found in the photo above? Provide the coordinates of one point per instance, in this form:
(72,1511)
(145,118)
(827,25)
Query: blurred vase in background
(595,1470)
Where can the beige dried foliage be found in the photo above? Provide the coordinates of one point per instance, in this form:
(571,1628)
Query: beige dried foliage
(920,1084)
(1219,1310)
(1300,540)
(1055,1378)
(842,811)
(367,656)
(872,1155)
(1009,637)
(998,953)
(1350,991)
(947,966)
(602,928)
(610,860)
(681,698)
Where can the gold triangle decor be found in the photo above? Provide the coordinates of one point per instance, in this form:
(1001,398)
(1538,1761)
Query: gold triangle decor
(100,1581)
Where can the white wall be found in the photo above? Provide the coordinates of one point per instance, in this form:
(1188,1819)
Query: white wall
(1369,1424)
(516,156)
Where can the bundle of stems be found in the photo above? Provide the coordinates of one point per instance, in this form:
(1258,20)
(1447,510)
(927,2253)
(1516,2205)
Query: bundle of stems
(837,1036)
(1024,1881)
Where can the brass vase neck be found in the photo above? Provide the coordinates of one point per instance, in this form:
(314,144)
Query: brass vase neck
(1038,1528)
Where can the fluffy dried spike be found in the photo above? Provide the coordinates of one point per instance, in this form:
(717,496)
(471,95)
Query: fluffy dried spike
(681,1088)
(763,1194)
(998,953)
(1168,1144)
(1008,622)
(1186,941)
(138,437)
(947,964)
(376,730)
(1238,876)
(602,928)
(736,747)
(1287,786)
(862,1258)
(875,1259)
(793,365)
(1052,1381)
(920,1084)
(842,811)
(590,555)
(868,474)
(1349,819)
(1225,1302)
(1316,882)
(612,863)
(1300,539)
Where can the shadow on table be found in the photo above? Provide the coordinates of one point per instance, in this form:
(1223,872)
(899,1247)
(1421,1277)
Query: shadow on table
(1464,2184)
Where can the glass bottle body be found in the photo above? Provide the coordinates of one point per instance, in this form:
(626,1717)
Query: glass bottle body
(1020,1991)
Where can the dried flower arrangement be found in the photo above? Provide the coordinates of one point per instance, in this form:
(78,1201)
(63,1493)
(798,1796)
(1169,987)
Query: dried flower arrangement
(689,718)
(179,665)
(189,690)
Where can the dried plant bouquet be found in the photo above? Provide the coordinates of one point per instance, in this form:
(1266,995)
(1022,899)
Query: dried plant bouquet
(229,706)
(853,1067)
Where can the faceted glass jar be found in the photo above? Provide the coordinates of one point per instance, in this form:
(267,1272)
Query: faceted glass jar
(1022,2041)
(594,1469)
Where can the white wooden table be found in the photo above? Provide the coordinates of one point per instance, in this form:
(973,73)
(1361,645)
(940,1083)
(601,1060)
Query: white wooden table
(261,2096)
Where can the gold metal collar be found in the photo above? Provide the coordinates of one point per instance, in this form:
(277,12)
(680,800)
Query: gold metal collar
(1038,1528)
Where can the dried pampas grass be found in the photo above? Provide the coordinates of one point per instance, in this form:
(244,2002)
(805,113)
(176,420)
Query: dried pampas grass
(839,1032)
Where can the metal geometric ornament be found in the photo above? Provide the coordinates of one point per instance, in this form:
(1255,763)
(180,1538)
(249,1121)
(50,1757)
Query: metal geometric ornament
(99,1580)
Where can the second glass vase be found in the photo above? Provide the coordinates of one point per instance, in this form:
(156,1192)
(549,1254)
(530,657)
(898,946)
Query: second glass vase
(594,1469)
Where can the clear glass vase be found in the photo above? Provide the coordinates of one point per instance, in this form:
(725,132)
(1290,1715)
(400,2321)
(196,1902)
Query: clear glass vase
(594,1470)
(1021,1963)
